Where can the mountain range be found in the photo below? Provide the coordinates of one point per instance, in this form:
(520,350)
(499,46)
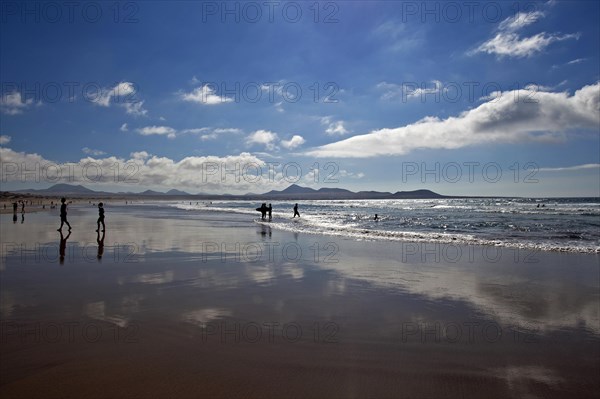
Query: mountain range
(293,192)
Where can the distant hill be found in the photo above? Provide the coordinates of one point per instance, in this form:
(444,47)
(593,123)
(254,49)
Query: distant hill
(298,192)
(417,194)
(293,192)
(294,189)
(61,189)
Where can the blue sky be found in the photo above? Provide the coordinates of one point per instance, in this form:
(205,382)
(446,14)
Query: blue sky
(373,94)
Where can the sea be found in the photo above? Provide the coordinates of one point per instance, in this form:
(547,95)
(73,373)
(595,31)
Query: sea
(552,224)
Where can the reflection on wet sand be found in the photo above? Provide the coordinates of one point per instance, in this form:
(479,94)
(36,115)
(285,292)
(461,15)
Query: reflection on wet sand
(187,273)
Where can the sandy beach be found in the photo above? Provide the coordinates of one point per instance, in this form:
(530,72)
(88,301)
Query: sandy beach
(213,305)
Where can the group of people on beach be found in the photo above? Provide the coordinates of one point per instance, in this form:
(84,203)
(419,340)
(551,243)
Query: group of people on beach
(264,210)
(63,216)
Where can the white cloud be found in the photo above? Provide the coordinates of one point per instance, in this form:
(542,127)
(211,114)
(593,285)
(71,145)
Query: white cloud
(334,127)
(4,139)
(121,89)
(195,173)
(507,42)
(158,130)
(139,155)
(215,133)
(352,175)
(13,104)
(409,90)
(263,137)
(122,94)
(294,142)
(576,61)
(511,117)
(124,127)
(205,95)
(135,108)
(90,151)
(570,168)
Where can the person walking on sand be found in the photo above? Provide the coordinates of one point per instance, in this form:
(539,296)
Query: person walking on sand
(15,206)
(296,213)
(63,215)
(100,216)
(23,207)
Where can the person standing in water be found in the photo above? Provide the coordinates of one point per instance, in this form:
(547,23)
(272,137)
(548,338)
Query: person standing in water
(296,213)
(376,218)
(100,216)
(270,210)
(63,214)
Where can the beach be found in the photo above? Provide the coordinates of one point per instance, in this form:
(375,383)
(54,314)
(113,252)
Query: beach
(184,303)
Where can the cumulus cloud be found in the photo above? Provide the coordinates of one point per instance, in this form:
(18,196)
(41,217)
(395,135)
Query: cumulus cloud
(158,130)
(334,127)
(14,104)
(4,139)
(143,170)
(510,117)
(294,142)
(122,94)
(205,95)
(508,42)
(263,137)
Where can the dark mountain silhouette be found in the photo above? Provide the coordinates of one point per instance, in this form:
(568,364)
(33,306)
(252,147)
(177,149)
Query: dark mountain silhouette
(293,192)
(61,188)
(294,189)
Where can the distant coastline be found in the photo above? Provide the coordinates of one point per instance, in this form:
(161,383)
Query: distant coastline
(293,192)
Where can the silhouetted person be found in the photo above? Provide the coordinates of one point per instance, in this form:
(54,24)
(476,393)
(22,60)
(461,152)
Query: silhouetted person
(100,242)
(14,218)
(376,218)
(15,206)
(270,208)
(22,218)
(23,207)
(62,249)
(263,210)
(100,216)
(296,213)
(63,214)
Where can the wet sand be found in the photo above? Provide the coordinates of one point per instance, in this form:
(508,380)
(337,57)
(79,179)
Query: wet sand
(184,304)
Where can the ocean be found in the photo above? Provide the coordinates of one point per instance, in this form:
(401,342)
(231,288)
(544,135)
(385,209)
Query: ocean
(558,224)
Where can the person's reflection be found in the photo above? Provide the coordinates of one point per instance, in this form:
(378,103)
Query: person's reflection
(100,242)
(265,231)
(14,218)
(63,247)
(22,218)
